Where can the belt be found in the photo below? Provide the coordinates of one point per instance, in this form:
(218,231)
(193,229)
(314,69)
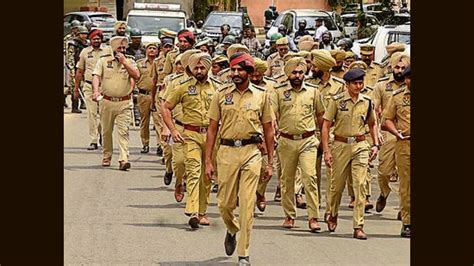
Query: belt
(179,123)
(195,128)
(297,137)
(349,140)
(144,92)
(117,99)
(88,81)
(238,142)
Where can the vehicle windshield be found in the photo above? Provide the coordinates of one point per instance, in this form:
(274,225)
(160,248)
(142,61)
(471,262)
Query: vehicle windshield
(311,21)
(350,21)
(402,37)
(151,25)
(397,20)
(105,20)
(216,20)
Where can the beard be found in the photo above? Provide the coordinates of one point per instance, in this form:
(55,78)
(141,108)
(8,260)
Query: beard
(367,61)
(296,82)
(238,80)
(256,82)
(318,74)
(200,77)
(398,77)
(337,68)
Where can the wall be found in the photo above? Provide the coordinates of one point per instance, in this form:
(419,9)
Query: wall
(256,8)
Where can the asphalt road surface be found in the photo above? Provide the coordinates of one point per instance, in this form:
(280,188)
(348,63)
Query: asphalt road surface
(131,218)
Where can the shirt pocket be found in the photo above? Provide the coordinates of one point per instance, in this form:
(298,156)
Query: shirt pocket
(108,73)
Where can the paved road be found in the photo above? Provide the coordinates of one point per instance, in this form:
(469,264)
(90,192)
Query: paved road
(113,217)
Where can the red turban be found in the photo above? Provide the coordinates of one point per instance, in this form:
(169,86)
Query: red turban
(189,36)
(95,32)
(245,58)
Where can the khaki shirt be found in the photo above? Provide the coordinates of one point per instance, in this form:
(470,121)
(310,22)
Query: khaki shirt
(170,85)
(224,76)
(373,73)
(338,74)
(349,117)
(115,78)
(195,98)
(158,65)
(398,110)
(384,89)
(169,66)
(297,109)
(241,114)
(145,82)
(88,59)
(269,84)
(329,89)
(275,65)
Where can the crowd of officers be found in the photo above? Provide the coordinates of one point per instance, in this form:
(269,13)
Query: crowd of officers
(229,118)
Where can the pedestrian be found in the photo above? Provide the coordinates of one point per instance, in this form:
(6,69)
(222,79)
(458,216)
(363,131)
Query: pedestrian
(338,70)
(326,41)
(299,105)
(74,48)
(374,70)
(383,91)
(239,158)
(195,94)
(397,122)
(350,153)
(85,67)
(320,29)
(114,73)
(275,60)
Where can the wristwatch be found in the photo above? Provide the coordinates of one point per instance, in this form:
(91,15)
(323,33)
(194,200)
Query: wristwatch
(378,146)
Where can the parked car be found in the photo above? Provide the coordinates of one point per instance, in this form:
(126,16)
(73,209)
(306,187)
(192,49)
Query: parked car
(349,24)
(100,20)
(398,19)
(236,20)
(384,36)
(290,19)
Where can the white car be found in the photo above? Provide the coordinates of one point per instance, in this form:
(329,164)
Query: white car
(290,19)
(384,36)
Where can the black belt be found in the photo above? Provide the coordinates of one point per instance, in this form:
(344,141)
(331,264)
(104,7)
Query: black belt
(240,142)
(88,81)
(144,91)
(179,123)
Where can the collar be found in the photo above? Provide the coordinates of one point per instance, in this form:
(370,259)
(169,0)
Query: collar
(391,79)
(347,96)
(250,88)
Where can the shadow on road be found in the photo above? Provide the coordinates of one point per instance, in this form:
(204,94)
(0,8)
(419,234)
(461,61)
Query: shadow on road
(214,261)
(152,189)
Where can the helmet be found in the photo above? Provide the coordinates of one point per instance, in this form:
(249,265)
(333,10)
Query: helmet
(75,24)
(135,33)
(347,42)
(82,29)
(282,28)
(275,37)
(88,25)
(229,39)
(234,33)
(199,23)
(302,21)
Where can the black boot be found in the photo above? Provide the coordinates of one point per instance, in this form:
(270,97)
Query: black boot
(75,106)
(65,103)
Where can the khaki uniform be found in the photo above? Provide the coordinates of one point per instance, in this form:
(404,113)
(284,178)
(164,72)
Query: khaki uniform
(174,160)
(340,73)
(241,117)
(297,111)
(398,110)
(169,66)
(224,76)
(382,93)
(349,158)
(115,83)
(373,73)
(275,65)
(195,98)
(145,86)
(87,61)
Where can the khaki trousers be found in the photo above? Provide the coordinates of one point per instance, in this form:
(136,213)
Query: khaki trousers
(239,169)
(144,103)
(177,159)
(93,117)
(262,186)
(302,153)
(118,113)
(349,159)
(198,186)
(402,155)
(368,182)
(386,163)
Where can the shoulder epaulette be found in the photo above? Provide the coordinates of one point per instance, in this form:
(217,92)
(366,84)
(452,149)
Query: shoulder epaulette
(258,87)
(278,76)
(176,76)
(216,80)
(130,56)
(338,96)
(185,80)
(269,78)
(311,85)
(222,71)
(369,87)
(376,63)
(338,79)
(105,55)
(382,79)
(366,97)
(225,87)
(281,85)
(141,60)
(397,91)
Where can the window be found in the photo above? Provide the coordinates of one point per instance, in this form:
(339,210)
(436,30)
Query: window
(67,18)
(289,24)
(402,37)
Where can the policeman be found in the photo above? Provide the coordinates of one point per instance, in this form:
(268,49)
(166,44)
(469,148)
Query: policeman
(298,106)
(186,41)
(74,48)
(350,153)
(195,94)
(382,93)
(136,47)
(306,43)
(363,31)
(349,58)
(219,63)
(87,61)
(204,45)
(115,73)
(223,75)
(397,122)
(291,43)
(120,28)
(226,43)
(391,48)
(375,71)
(242,110)
(145,87)
(275,60)
(338,70)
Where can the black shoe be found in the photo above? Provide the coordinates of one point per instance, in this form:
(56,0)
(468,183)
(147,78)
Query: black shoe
(65,105)
(100,139)
(145,149)
(159,151)
(406,232)
(92,146)
(163,161)
(168,177)
(399,215)
(83,106)
(137,123)
(76,111)
(194,222)
(215,188)
(230,244)
(244,260)
(184,187)
(380,204)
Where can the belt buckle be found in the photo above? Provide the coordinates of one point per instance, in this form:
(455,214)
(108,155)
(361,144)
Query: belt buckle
(298,137)
(203,130)
(351,140)
(237,143)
